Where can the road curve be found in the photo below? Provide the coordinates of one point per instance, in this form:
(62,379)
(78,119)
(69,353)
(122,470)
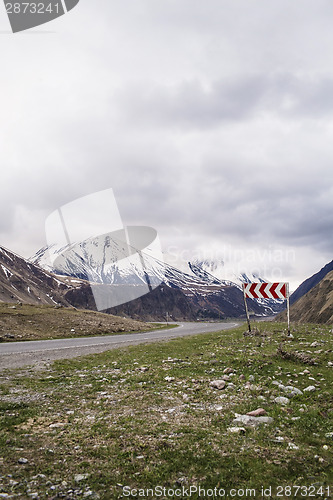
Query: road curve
(41,352)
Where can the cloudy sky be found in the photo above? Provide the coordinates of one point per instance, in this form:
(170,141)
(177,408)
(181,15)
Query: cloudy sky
(211,120)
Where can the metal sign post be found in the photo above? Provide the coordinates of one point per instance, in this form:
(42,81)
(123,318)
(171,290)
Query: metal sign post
(288,309)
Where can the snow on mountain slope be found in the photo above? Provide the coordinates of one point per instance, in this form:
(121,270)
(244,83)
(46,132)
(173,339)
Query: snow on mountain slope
(104,261)
(198,270)
(215,271)
(21,280)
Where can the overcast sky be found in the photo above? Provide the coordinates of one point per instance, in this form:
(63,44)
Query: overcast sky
(211,120)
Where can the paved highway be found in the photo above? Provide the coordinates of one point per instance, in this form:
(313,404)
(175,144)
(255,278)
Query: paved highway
(41,352)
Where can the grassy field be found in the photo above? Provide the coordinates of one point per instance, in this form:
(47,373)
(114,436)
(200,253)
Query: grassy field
(31,322)
(115,424)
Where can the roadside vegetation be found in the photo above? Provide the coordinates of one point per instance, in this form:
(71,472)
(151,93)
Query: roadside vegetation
(20,322)
(173,414)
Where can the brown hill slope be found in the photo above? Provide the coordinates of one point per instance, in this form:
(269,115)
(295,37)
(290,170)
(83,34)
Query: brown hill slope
(309,283)
(38,322)
(22,281)
(316,306)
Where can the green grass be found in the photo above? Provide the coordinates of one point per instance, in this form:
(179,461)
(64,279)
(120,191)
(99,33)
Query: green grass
(116,420)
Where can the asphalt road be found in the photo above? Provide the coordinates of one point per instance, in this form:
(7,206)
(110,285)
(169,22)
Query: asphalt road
(41,352)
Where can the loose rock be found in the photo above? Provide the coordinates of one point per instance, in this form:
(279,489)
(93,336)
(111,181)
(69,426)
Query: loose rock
(257,413)
(57,425)
(291,391)
(310,388)
(249,421)
(293,446)
(236,430)
(278,439)
(218,384)
(80,477)
(281,400)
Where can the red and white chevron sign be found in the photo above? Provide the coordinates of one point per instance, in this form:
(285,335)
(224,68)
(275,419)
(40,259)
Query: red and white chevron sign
(265,290)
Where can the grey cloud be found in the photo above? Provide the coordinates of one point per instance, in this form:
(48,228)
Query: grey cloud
(7,211)
(309,96)
(211,121)
(293,208)
(191,105)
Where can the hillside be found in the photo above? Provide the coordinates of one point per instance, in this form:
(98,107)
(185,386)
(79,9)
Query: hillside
(22,281)
(37,322)
(176,303)
(316,306)
(309,283)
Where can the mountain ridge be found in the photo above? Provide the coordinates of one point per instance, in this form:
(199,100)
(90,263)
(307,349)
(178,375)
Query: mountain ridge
(23,281)
(316,306)
(310,282)
(180,296)
(206,295)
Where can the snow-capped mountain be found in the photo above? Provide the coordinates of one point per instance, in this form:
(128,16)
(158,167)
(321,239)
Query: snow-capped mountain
(198,270)
(105,261)
(216,271)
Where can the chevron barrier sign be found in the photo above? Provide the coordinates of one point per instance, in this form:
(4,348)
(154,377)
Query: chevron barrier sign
(266,291)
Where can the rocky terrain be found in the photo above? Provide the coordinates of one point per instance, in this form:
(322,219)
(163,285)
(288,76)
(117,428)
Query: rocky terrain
(173,303)
(311,282)
(254,409)
(23,281)
(316,306)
